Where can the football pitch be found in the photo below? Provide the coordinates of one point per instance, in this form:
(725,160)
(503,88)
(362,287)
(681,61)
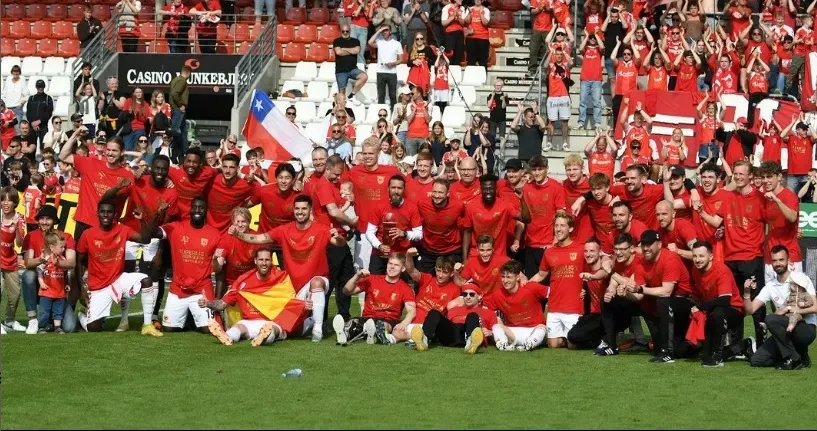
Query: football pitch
(189,380)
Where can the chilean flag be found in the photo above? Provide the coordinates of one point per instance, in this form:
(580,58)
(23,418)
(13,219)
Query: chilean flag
(267,127)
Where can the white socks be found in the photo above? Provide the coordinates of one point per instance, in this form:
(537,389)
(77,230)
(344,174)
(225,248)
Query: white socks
(148,302)
(318,307)
(234,334)
(537,337)
(499,334)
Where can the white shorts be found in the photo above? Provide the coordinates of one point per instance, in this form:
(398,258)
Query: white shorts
(442,96)
(100,301)
(771,275)
(175,314)
(559,324)
(520,334)
(558,108)
(254,327)
(148,250)
(363,252)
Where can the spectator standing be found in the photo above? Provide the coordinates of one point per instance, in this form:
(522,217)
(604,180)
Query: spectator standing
(418,118)
(338,143)
(39,111)
(179,95)
(8,121)
(478,48)
(497,109)
(269,6)
(420,64)
(86,77)
(400,114)
(346,54)
(614,31)
(208,13)
(591,80)
(160,115)
(88,27)
(435,16)
(129,25)
(387,15)
(530,129)
(354,11)
(542,15)
(454,21)
(389,55)
(28,139)
(415,17)
(806,193)
(86,106)
(56,136)
(110,106)
(178,24)
(15,93)
(439,143)
(138,111)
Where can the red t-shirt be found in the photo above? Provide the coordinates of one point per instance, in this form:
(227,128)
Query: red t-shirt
(801,155)
(239,256)
(543,21)
(192,257)
(487,317)
(223,198)
(687,77)
(8,255)
(98,178)
(72,185)
(782,232)
(7,132)
(190,187)
(384,300)
(485,275)
(603,225)
(54,278)
(543,201)
(602,162)
(324,193)
(35,241)
(349,8)
(489,221)
(207,27)
(807,37)
(441,227)
(106,254)
(405,218)
(712,205)
(371,188)
(432,296)
(417,191)
(277,208)
(522,308)
(146,197)
(626,74)
(304,251)
(636,229)
(565,263)
(591,63)
(744,218)
(583,226)
(644,204)
(715,282)
(682,234)
(772,148)
(461,192)
(596,289)
(668,267)
(139,115)
(33,198)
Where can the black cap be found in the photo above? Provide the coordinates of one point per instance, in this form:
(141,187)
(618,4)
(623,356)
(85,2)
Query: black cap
(40,84)
(76,116)
(678,171)
(802,125)
(649,237)
(513,165)
(48,211)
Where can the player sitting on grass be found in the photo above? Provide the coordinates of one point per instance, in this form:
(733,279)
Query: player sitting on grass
(466,323)
(253,324)
(386,296)
(521,307)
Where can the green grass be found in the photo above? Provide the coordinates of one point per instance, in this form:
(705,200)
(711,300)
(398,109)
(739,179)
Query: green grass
(189,380)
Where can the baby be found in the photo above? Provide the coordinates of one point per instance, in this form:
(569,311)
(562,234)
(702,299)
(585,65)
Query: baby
(348,207)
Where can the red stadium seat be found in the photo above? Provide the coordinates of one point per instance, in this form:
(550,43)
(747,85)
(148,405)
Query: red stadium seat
(75,12)
(293,53)
(317,53)
(69,48)
(148,31)
(48,48)
(26,47)
(502,19)
(146,14)
(63,30)
(285,33)
(243,48)
(57,12)
(4,29)
(306,33)
(101,12)
(331,57)
(239,32)
(221,32)
(495,35)
(279,51)
(244,3)
(41,30)
(255,31)
(510,5)
(227,48)
(328,33)
(492,58)
(333,16)
(14,12)
(247,14)
(317,16)
(20,29)
(158,46)
(7,45)
(36,12)
(295,15)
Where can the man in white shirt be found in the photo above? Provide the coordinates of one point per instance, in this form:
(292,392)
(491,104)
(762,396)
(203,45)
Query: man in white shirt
(389,55)
(15,94)
(787,347)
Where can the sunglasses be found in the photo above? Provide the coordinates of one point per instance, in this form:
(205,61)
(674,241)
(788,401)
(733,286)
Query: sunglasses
(381,115)
(675,33)
(336,131)
(344,31)
(636,148)
(469,294)
(628,53)
(58,122)
(291,114)
(143,140)
(233,142)
(420,38)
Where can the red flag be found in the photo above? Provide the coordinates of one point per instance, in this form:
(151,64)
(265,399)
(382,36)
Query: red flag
(267,127)
(809,85)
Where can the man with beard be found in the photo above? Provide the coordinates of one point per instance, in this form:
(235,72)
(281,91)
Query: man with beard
(677,235)
(305,246)
(102,254)
(440,217)
(434,292)
(544,196)
(704,211)
(783,217)
(588,330)
(491,217)
(467,188)
(227,191)
(523,325)
(419,187)
(466,323)
(191,180)
(482,269)
(675,192)
(393,226)
(511,186)
(623,221)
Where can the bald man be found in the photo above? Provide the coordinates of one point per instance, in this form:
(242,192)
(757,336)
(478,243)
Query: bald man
(677,234)
(467,188)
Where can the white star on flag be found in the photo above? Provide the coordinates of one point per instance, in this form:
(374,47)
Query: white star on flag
(258,105)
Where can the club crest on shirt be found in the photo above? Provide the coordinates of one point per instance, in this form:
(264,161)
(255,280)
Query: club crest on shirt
(310,240)
(394,296)
(496,215)
(380,179)
(573,256)
(98,243)
(185,239)
(495,271)
(718,205)
(204,242)
(749,208)
(117,240)
(444,296)
(376,292)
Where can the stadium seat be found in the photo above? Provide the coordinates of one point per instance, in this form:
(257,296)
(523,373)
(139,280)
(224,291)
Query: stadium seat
(402,73)
(57,12)
(32,66)
(7,62)
(371,70)
(502,19)
(317,16)
(75,13)
(36,12)
(69,66)
(306,33)
(333,89)
(317,91)
(244,47)
(63,30)
(244,3)
(32,83)
(69,48)
(279,51)
(495,35)
(293,85)
(454,115)
(54,66)
(41,30)
(19,29)
(318,53)
(323,108)
(62,106)
(371,113)
(327,72)
(146,14)
(510,5)
(316,132)
(147,31)
(362,132)
(60,86)
(15,12)
(331,53)
(6,46)
(255,31)
(158,46)
(360,112)
(285,33)
(469,96)
(48,47)
(454,73)
(328,33)
(306,71)
(239,32)
(306,111)
(222,32)
(333,16)
(247,14)
(474,76)
(101,12)
(369,90)
(436,115)
(295,15)
(282,104)
(4,29)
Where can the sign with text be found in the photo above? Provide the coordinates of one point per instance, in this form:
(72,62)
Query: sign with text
(212,73)
(521,43)
(808,220)
(517,61)
(515,80)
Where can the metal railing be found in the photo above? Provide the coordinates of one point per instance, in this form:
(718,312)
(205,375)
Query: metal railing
(101,48)
(231,31)
(257,57)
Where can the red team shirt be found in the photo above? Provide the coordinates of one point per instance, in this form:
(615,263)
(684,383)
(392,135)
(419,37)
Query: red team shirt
(681,235)
(384,300)
(522,308)
(223,198)
(441,227)
(711,205)
(583,229)
(8,255)
(54,278)
(97,179)
(644,204)
(602,162)
(543,201)
(106,254)
(417,191)
(371,188)
(239,256)
(277,208)
(461,192)
(801,155)
(565,263)
(189,188)
(596,289)
(35,241)
(781,231)
(743,218)
(432,296)
(32,198)
(405,216)
(147,198)
(324,193)
(304,251)
(602,220)
(192,258)
(489,221)
(487,317)
(667,268)
(485,275)
(715,282)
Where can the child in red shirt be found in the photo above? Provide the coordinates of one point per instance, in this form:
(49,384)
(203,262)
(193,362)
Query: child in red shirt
(33,199)
(51,279)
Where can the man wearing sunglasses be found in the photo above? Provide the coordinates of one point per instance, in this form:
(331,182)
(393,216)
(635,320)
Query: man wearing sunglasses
(467,323)
(8,121)
(347,53)
(338,143)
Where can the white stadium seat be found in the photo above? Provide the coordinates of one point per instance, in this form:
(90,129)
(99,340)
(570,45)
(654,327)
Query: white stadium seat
(371,114)
(317,91)
(69,67)
(360,112)
(306,71)
(327,72)
(454,73)
(60,86)
(333,90)
(6,63)
(362,131)
(454,115)
(32,83)
(32,66)
(469,94)
(451,134)
(435,114)
(282,104)
(474,76)
(316,132)
(402,73)
(54,66)
(369,91)
(323,108)
(62,105)
(306,111)
(293,85)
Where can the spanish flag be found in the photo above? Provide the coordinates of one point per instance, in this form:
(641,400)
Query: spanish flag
(274,298)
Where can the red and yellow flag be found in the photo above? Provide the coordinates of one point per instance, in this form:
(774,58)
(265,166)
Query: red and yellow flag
(275,299)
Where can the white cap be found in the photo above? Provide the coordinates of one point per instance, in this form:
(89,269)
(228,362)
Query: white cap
(403,90)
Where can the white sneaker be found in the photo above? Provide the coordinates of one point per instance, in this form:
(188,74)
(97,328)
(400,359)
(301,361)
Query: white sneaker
(548,146)
(565,147)
(14,326)
(355,101)
(317,335)
(2,330)
(337,324)
(33,326)
(370,329)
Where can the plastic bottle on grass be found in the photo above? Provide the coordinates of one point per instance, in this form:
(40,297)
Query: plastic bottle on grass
(293,373)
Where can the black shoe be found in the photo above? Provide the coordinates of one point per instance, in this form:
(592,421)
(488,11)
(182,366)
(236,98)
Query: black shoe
(663,357)
(790,365)
(713,362)
(605,350)
(380,332)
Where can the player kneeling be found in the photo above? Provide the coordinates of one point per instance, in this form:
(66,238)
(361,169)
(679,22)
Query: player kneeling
(524,326)
(254,325)
(386,296)
(466,323)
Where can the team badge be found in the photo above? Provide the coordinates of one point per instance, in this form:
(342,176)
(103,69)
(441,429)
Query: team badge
(380,179)
(394,296)
(749,208)
(116,239)
(444,296)
(718,205)
(204,242)
(98,243)
(185,239)
(495,271)
(310,240)
(496,215)
(573,256)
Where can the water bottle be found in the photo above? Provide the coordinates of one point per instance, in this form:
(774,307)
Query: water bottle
(293,373)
